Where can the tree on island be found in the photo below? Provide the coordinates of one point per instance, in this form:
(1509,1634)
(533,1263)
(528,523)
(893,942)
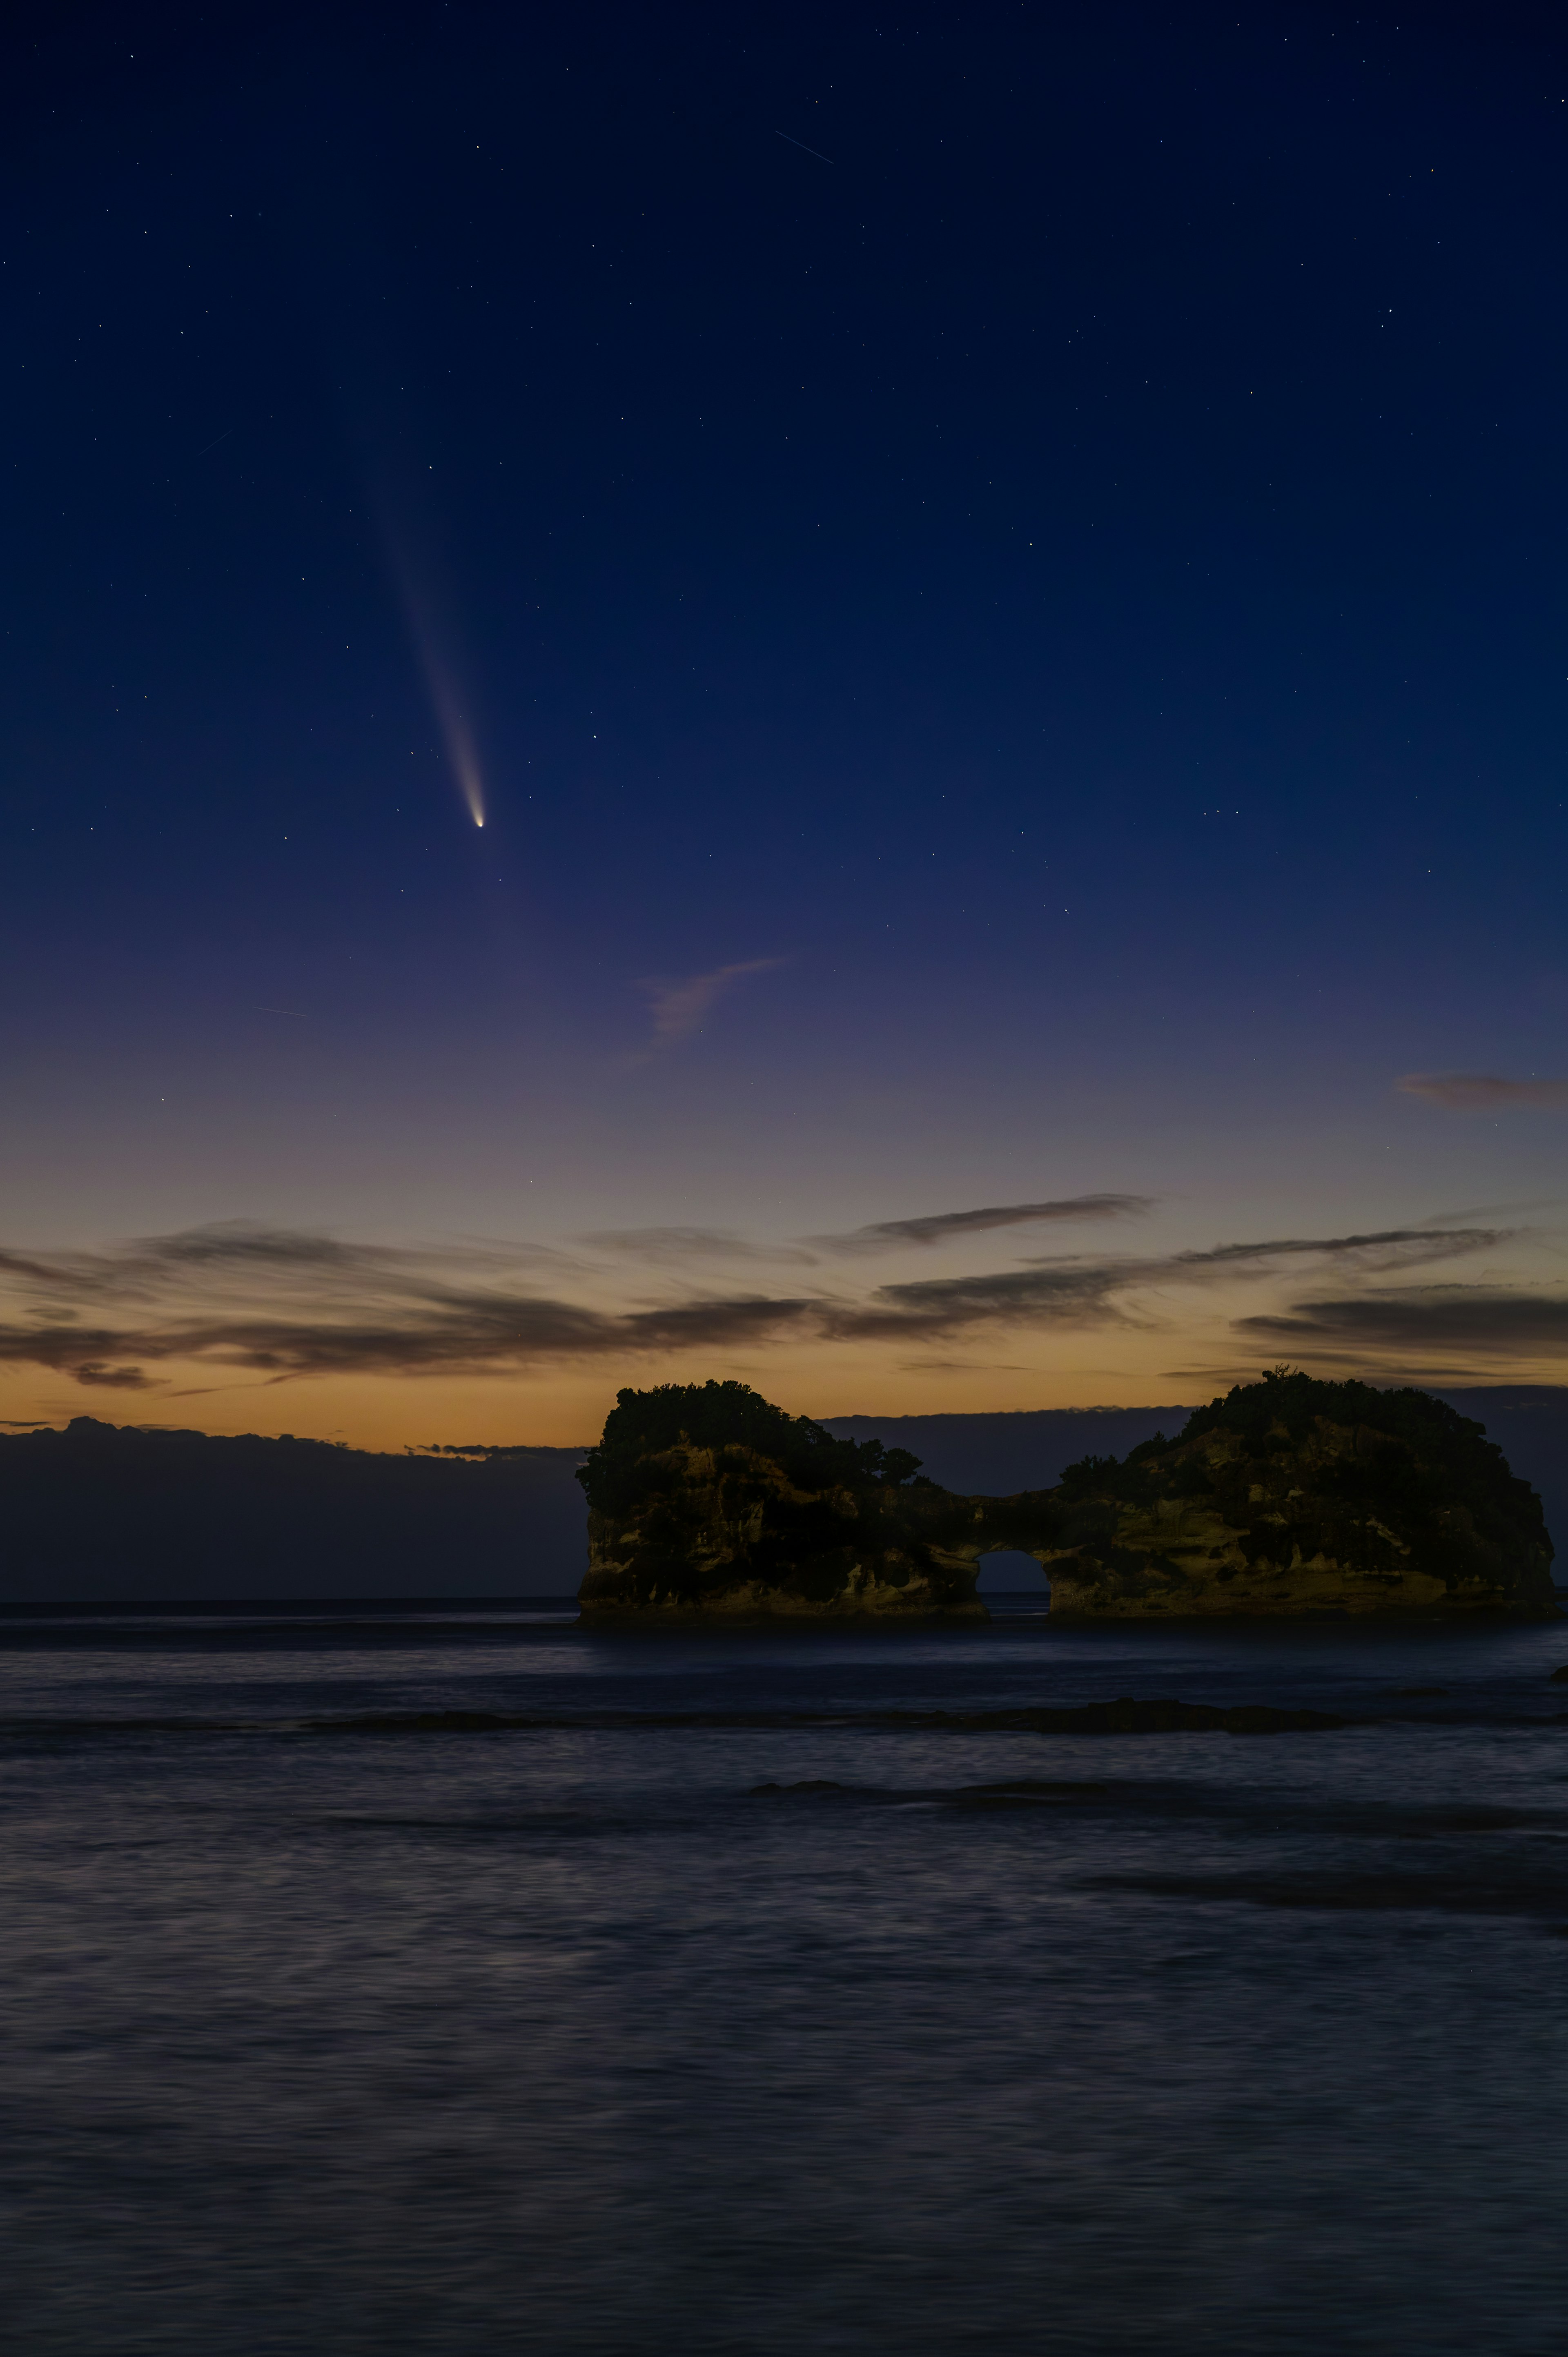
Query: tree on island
(728,1416)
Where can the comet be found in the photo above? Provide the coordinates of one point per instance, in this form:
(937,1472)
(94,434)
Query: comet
(454,728)
(441,678)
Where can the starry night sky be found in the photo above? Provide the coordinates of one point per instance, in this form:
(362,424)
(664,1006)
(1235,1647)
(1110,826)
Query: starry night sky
(995,576)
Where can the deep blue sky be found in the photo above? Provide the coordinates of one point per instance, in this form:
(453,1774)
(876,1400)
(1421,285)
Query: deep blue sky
(1064,581)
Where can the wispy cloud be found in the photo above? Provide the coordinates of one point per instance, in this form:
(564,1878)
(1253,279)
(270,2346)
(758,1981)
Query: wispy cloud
(244,1302)
(1381,1249)
(1124,1290)
(679,1007)
(1422,1322)
(946,1227)
(1492,1211)
(964,1367)
(676,1247)
(1481,1092)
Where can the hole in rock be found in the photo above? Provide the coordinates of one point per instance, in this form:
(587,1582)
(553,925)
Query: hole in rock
(1010,1572)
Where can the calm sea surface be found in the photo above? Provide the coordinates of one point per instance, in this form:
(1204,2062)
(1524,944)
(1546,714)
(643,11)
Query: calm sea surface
(382,1980)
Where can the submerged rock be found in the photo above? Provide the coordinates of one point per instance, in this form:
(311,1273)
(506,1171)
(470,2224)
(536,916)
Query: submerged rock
(1288,1496)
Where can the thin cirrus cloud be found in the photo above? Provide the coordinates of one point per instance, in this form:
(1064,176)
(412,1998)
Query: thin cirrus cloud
(672,1247)
(1387,1248)
(1081,1289)
(656,1247)
(947,1227)
(250,1304)
(678,1007)
(1481,1092)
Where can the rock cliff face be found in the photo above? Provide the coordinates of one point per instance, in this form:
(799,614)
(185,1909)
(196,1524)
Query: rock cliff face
(1283,1509)
(1287,1497)
(726,1532)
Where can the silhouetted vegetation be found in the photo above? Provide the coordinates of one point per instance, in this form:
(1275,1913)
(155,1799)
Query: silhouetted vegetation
(642,1424)
(1416,1463)
(1393,1495)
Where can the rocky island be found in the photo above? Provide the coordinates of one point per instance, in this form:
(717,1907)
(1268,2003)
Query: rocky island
(1288,1496)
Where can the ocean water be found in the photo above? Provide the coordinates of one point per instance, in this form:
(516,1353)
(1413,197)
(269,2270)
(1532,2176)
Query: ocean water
(440,1981)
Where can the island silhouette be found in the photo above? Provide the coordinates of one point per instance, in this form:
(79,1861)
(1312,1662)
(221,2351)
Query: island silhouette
(1287,1496)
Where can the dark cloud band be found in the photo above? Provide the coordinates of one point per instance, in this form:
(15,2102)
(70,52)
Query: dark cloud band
(1477,1322)
(263,1305)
